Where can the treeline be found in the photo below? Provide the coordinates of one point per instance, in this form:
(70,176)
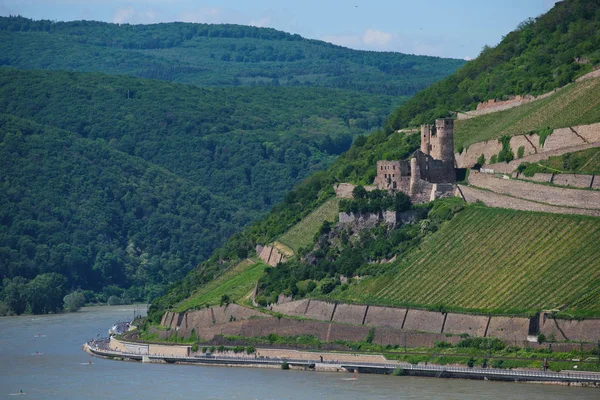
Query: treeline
(213,55)
(540,55)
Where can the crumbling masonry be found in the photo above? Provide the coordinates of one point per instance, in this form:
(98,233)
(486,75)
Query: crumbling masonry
(430,173)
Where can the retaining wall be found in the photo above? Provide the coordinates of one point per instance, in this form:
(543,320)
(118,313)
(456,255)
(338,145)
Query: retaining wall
(385,316)
(491,199)
(424,321)
(271,255)
(474,325)
(349,313)
(559,142)
(295,308)
(320,310)
(508,328)
(539,193)
(586,330)
(581,181)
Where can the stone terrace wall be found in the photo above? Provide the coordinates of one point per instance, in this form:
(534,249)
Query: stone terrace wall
(271,255)
(295,308)
(508,328)
(320,310)
(424,321)
(559,140)
(491,199)
(350,314)
(233,311)
(474,325)
(539,193)
(581,181)
(385,316)
(586,330)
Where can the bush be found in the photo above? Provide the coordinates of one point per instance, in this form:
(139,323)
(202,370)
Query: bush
(285,365)
(370,335)
(195,347)
(250,350)
(494,159)
(481,160)
(74,301)
(541,338)
(398,372)
(471,362)
(521,152)
(442,345)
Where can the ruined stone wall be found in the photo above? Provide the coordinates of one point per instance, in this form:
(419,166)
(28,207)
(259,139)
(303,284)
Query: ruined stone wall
(368,220)
(271,255)
(344,190)
(555,196)
(491,199)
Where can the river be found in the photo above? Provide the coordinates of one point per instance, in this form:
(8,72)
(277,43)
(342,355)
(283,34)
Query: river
(61,370)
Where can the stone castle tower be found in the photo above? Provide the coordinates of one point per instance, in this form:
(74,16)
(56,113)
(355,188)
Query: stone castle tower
(437,142)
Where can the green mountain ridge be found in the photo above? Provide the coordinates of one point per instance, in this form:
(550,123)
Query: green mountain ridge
(213,55)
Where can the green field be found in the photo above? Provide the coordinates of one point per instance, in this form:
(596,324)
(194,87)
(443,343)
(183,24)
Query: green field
(237,282)
(576,104)
(497,261)
(302,234)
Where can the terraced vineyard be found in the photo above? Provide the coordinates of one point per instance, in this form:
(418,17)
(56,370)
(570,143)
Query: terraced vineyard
(303,233)
(576,104)
(497,261)
(238,283)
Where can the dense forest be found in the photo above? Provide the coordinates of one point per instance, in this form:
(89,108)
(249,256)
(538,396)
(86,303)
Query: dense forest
(540,55)
(122,185)
(213,55)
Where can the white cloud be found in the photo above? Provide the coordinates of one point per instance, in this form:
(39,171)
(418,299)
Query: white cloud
(206,15)
(377,39)
(261,22)
(467,58)
(122,15)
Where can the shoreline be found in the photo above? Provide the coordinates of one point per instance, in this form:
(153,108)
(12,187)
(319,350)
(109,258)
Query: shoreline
(344,362)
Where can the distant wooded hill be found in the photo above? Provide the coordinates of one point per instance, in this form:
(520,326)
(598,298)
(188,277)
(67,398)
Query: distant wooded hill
(213,55)
(121,182)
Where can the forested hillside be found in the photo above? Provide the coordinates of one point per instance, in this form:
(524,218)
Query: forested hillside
(540,55)
(96,217)
(213,55)
(125,183)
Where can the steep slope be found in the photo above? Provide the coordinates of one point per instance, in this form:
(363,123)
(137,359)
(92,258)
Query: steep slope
(213,55)
(575,104)
(540,55)
(98,216)
(494,260)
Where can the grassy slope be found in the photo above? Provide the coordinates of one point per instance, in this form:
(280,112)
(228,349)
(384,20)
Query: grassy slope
(493,260)
(580,162)
(576,104)
(302,234)
(237,282)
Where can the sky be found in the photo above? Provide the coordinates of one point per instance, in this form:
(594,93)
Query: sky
(443,28)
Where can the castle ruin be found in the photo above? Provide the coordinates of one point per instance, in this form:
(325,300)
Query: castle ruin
(430,173)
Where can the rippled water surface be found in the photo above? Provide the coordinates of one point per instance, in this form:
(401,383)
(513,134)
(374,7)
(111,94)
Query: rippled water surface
(61,370)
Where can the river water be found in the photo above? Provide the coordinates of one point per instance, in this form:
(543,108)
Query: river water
(61,370)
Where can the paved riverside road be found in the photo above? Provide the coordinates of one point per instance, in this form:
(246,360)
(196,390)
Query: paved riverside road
(101,348)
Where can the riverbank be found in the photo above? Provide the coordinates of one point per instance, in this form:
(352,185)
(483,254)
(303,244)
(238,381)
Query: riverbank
(323,361)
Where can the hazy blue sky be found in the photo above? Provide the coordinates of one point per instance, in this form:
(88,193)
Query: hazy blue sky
(446,28)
